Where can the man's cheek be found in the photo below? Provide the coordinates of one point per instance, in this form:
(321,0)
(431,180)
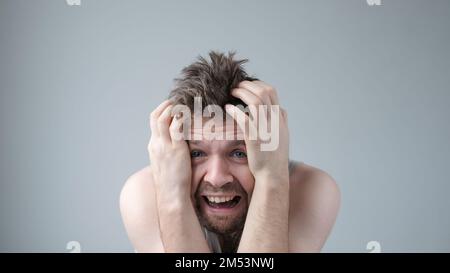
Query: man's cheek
(249,190)
(194,183)
(193,188)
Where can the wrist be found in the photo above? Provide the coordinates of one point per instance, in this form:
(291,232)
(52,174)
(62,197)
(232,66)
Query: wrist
(280,175)
(272,185)
(173,199)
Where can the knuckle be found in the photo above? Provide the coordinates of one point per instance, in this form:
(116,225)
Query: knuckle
(152,115)
(269,90)
(265,93)
(255,101)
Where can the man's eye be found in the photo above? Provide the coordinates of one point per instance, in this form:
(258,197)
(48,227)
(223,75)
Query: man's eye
(239,154)
(196,153)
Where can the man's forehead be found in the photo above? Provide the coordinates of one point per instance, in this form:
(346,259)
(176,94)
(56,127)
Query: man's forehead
(226,143)
(210,129)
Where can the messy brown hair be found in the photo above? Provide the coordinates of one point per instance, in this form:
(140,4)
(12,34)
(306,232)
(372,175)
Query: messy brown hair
(212,80)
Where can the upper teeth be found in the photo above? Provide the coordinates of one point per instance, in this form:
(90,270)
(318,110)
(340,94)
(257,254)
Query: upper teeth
(219,199)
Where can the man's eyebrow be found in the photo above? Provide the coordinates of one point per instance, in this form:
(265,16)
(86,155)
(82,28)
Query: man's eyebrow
(195,142)
(236,143)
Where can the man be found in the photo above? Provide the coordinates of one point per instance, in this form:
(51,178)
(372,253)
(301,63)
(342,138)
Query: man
(203,194)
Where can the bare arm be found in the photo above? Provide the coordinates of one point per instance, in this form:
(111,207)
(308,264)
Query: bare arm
(155,203)
(140,215)
(171,172)
(266,227)
(179,225)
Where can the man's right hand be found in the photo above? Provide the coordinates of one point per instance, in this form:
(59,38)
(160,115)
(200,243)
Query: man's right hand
(170,158)
(179,227)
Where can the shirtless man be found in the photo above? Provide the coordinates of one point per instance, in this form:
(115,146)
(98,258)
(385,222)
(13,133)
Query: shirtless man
(208,195)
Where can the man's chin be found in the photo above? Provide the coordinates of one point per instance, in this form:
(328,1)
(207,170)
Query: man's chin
(222,225)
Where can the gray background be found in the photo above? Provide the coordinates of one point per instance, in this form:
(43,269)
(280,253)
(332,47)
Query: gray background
(366,88)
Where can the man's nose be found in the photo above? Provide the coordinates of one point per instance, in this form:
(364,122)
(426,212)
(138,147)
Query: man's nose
(218,173)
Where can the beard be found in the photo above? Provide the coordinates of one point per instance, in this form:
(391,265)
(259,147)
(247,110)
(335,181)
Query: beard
(222,224)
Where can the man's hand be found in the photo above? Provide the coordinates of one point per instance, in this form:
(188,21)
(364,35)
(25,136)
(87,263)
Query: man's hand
(266,226)
(170,160)
(171,170)
(263,163)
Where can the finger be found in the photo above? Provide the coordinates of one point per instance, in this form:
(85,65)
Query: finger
(164,122)
(271,90)
(261,92)
(242,120)
(155,115)
(176,136)
(250,99)
(246,96)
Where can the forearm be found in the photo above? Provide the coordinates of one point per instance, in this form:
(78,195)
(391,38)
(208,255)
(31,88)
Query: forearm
(180,228)
(266,226)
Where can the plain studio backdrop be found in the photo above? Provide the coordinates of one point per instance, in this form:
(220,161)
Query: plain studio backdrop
(366,89)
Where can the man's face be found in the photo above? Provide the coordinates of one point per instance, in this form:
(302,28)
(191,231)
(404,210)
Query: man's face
(221,180)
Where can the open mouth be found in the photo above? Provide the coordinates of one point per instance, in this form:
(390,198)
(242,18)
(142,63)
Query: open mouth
(221,202)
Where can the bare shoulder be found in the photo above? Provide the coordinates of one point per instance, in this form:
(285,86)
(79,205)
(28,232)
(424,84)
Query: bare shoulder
(314,205)
(139,213)
(137,188)
(305,176)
